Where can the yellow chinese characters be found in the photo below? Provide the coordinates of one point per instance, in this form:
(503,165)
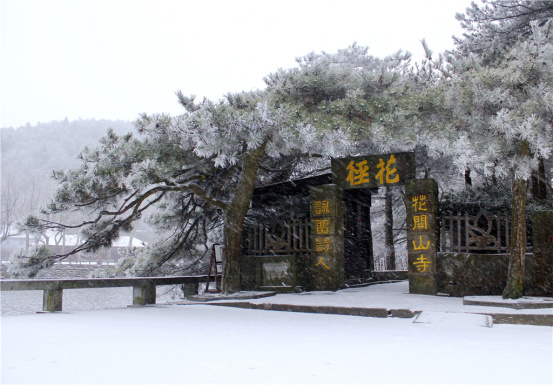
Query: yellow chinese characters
(322,245)
(421,246)
(420,222)
(323,226)
(389,171)
(358,173)
(419,203)
(322,263)
(322,207)
(422,263)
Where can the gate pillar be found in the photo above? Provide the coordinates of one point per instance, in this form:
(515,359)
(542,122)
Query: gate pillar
(327,237)
(421,204)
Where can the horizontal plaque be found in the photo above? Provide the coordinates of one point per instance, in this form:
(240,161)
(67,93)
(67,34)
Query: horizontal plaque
(373,171)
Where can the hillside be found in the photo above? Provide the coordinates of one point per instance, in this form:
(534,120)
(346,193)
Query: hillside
(30,153)
(37,150)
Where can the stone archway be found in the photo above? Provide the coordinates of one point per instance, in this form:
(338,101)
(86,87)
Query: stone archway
(328,224)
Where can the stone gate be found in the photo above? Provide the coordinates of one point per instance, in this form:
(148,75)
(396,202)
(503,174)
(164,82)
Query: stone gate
(333,243)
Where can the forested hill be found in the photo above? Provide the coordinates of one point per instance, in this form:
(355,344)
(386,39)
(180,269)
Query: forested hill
(30,153)
(34,151)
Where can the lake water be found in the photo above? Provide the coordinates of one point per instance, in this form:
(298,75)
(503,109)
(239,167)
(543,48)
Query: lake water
(30,301)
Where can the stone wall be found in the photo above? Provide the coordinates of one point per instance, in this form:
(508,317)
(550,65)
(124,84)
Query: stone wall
(486,274)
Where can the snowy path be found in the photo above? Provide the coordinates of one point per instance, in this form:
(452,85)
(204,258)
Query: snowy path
(390,296)
(206,344)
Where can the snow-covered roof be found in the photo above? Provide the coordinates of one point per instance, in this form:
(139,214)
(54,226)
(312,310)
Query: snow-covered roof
(54,238)
(124,241)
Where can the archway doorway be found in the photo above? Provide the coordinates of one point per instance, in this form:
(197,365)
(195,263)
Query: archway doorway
(358,244)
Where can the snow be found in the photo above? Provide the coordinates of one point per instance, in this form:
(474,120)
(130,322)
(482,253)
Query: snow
(514,303)
(199,344)
(125,241)
(54,238)
(390,296)
(454,318)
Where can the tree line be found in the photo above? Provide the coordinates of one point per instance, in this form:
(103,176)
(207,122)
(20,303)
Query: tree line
(30,153)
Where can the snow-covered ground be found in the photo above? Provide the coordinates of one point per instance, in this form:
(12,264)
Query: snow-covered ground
(391,296)
(207,344)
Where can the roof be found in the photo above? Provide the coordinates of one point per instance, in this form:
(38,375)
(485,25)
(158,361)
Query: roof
(295,186)
(55,239)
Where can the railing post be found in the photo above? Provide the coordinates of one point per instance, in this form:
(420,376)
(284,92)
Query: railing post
(144,294)
(52,300)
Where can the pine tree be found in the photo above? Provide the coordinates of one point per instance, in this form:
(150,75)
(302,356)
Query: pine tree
(493,28)
(200,168)
(498,88)
(377,99)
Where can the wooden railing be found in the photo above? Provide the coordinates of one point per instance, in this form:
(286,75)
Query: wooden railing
(144,289)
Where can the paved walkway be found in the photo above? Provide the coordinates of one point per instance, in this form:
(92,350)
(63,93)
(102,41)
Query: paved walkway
(389,300)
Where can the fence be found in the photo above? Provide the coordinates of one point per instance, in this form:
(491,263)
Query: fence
(144,288)
(380,265)
(282,238)
(482,233)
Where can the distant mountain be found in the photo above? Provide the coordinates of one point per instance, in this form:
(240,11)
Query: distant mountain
(29,154)
(37,150)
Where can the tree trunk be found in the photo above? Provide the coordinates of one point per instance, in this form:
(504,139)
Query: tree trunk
(539,186)
(389,230)
(468,179)
(515,277)
(234,221)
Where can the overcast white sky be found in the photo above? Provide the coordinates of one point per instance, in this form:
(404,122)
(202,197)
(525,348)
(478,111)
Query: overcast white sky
(113,59)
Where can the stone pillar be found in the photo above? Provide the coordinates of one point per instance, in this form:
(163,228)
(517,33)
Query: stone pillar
(327,237)
(421,203)
(144,295)
(52,300)
(189,289)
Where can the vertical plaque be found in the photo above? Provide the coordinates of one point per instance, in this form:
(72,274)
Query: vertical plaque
(421,203)
(327,237)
